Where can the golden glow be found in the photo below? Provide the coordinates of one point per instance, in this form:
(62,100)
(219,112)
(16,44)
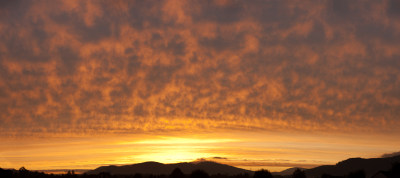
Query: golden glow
(250,150)
(175,154)
(180,141)
(174,149)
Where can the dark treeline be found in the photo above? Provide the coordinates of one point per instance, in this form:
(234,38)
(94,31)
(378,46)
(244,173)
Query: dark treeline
(394,172)
(176,173)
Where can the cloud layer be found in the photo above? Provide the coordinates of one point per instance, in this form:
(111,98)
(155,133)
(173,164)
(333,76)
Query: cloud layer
(105,67)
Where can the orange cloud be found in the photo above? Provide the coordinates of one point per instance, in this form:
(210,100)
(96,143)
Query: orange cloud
(125,67)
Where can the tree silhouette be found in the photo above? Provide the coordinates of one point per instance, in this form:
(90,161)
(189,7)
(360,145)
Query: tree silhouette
(262,174)
(299,174)
(199,174)
(23,169)
(177,173)
(70,173)
(23,172)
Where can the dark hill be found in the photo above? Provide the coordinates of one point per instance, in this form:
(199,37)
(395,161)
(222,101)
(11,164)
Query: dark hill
(159,168)
(287,171)
(370,166)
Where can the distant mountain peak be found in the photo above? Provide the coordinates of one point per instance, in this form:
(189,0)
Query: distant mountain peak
(152,167)
(288,171)
(204,162)
(150,162)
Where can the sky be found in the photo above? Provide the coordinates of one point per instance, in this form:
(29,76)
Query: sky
(254,84)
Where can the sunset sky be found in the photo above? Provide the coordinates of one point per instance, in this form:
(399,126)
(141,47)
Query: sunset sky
(254,84)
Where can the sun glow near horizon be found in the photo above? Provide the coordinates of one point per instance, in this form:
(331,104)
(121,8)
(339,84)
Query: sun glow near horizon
(275,152)
(176,149)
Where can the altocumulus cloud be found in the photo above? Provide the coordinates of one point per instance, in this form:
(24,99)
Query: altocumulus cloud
(102,67)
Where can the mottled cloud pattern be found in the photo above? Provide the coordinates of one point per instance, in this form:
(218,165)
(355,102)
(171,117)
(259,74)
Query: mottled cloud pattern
(105,67)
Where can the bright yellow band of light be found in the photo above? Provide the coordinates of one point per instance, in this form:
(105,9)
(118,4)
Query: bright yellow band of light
(248,150)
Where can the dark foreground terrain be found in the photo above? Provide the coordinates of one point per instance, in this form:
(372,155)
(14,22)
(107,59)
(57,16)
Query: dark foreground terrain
(350,168)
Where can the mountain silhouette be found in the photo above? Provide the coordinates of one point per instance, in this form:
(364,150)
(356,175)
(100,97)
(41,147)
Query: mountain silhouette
(370,166)
(159,168)
(287,171)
